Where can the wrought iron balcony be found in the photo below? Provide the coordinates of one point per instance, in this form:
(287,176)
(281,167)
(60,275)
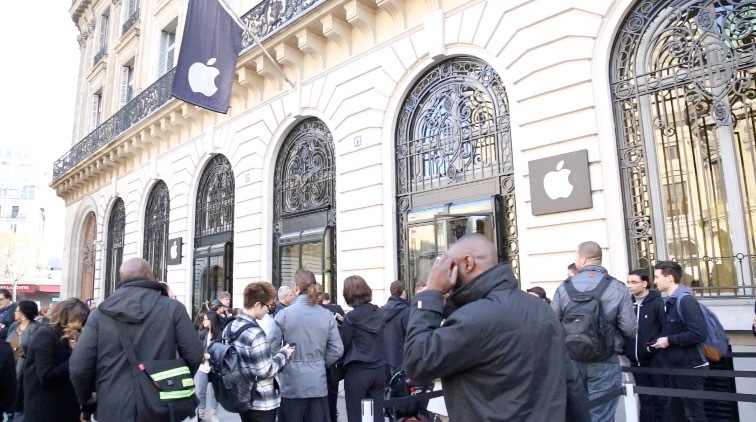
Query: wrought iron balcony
(263,20)
(130,21)
(100,54)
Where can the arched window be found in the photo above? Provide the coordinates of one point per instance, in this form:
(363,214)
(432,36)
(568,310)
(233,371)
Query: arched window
(454,165)
(116,232)
(683,80)
(156,219)
(214,233)
(88,255)
(304,206)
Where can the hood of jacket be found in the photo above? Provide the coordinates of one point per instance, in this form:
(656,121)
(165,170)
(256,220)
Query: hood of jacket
(500,277)
(133,300)
(366,317)
(681,291)
(394,307)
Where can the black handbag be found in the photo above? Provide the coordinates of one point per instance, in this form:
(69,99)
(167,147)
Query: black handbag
(164,388)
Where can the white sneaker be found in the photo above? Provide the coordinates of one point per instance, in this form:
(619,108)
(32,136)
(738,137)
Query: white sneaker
(201,414)
(214,415)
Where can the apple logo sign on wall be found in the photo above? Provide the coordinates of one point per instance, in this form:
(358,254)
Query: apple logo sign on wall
(557,183)
(202,78)
(560,183)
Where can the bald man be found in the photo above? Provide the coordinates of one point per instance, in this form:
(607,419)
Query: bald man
(499,352)
(159,329)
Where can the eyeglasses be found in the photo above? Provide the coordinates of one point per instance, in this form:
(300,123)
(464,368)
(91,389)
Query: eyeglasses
(633,282)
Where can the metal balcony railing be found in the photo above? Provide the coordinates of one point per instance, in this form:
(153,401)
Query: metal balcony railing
(263,21)
(100,54)
(130,21)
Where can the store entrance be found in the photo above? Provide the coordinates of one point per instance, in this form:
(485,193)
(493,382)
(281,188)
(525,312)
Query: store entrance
(431,231)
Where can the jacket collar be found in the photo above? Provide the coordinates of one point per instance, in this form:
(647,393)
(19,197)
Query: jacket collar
(596,268)
(499,277)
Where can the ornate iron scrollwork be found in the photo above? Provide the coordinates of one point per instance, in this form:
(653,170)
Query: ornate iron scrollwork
(116,235)
(215,198)
(454,128)
(686,69)
(156,220)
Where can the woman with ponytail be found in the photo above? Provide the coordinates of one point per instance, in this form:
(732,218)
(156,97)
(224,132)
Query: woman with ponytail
(313,329)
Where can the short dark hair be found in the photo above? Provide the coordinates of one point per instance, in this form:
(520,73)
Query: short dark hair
(572,267)
(397,288)
(642,274)
(668,268)
(28,308)
(261,291)
(224,295)
(326,296)
(357,291)
(6,293)
(420,285)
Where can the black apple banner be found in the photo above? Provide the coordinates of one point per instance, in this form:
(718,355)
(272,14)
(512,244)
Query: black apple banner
(207,59)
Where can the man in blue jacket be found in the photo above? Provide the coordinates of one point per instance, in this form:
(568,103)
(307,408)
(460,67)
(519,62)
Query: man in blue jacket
(679,345)
(649,310)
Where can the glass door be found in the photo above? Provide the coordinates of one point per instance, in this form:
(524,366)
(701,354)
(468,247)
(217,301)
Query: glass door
(311,250)
(211,275)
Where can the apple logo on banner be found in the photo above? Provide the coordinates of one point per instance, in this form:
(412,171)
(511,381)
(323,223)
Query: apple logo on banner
(557,183)
(174,249)
(202,78)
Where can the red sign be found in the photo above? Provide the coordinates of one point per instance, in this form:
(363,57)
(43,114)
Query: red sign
(20,288)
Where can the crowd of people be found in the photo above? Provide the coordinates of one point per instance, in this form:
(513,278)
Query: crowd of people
(501,353)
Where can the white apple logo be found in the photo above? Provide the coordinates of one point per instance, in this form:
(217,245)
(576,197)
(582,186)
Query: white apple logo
(557,183)
(202,78)
(174,250)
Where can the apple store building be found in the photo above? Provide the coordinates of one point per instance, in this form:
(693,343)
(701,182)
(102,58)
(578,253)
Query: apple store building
(368,136)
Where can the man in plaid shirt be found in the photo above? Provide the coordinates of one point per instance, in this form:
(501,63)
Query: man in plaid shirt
(255,356)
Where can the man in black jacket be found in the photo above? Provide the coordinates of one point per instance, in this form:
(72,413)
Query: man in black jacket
(500,353)
(649,310)
(396,317)
(159,327)
(679,343)
(7,308)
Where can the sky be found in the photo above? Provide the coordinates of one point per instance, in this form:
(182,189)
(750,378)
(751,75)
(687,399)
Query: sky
(39,58)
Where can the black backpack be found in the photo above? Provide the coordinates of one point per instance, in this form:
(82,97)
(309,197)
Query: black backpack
(588,335)
(231,387)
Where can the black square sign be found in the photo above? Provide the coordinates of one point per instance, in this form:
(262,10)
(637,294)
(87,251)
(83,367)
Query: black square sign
(560,183)
(173,256)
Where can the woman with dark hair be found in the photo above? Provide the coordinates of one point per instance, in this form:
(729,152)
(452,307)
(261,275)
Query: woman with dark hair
(48,392)
(365,363)
(212,329)
(304,391)
(19,336)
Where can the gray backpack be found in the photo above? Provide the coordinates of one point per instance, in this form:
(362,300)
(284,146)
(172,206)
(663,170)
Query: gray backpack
(588,335)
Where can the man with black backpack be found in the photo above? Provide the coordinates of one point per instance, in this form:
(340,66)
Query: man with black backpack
(596,313)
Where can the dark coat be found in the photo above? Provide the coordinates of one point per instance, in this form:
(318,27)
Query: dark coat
(159,328)
(7,318)
(651,318)
(362,337)
(7,377)
(683,333)
(396,316)
(500,354)
(48,393)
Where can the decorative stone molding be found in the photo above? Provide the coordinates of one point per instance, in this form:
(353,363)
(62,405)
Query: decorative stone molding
(267,70)
(395,9)
(291,57)
(339,32)
(362,17)
(251,80)
(314,46)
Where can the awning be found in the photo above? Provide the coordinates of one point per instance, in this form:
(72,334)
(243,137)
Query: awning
(49,288)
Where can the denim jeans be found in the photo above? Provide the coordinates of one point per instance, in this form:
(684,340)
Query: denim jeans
(601,378)
(204,391)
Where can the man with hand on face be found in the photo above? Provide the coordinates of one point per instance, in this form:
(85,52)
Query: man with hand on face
(499,352)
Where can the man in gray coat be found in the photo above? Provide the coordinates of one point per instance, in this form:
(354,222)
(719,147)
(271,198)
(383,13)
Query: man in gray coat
(603,376)
(159,327)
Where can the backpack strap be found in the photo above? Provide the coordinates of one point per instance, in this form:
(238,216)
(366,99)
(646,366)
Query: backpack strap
(232,338)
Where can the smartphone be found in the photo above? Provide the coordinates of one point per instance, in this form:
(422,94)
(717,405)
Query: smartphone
(292,344)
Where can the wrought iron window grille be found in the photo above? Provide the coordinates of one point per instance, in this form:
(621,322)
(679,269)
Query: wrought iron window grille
(116,236)
(156,222)
(215,198)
